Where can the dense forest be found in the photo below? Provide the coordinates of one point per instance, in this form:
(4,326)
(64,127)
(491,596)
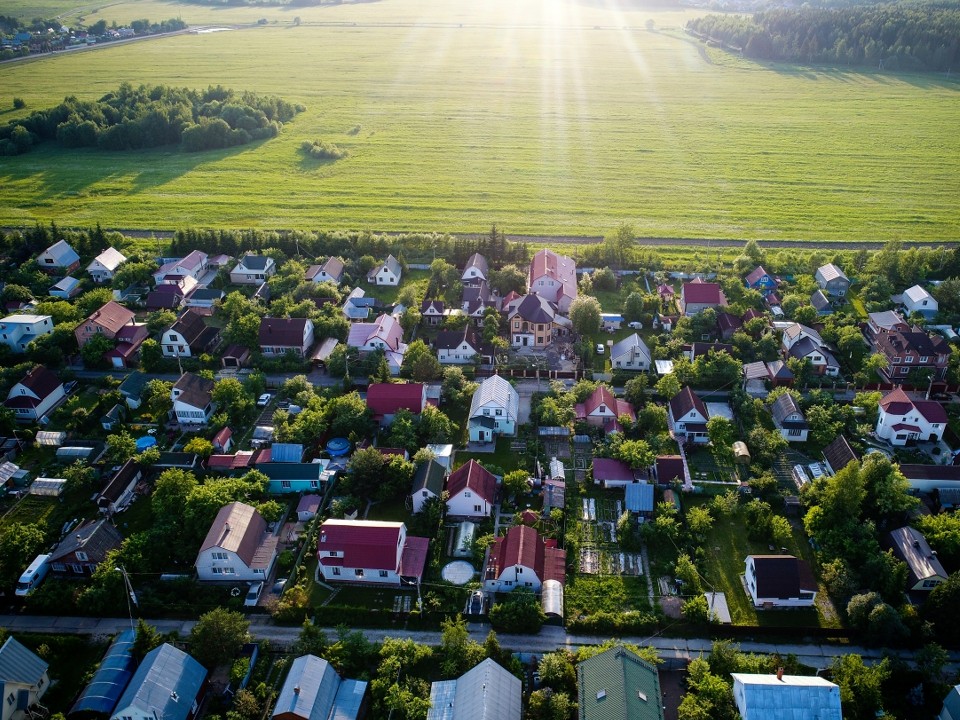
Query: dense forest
(133,118)
(891,37)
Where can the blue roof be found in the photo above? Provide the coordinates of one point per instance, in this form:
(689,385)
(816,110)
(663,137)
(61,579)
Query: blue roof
(111,678)
(20,665)
(165,685)
(639,497)
(286,452)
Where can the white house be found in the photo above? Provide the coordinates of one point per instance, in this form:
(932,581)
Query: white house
(427,483)
(37,394)
(370,552)
(603,409)
(795,332)
(494,410)
(687,416)
(789,419)
(192,397)
(917,300)
(471,491)
(188,336)
(783,697)
(820,358)
(194,266)
(779,581)
(253,270)
(59,257)
(457,347)
(631,353)
(476,269)
(330,271)
(278,336)
(387,273)
(386,334)
(105,265)
(23,680)
(554,278)
(521,558)
(238,547)
(901,420)
(18,331)
(925,571)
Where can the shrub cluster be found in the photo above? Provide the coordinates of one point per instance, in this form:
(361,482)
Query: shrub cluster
(322,150)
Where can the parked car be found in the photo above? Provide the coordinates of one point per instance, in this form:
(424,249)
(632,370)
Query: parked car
(635,325)
(253,594)
(264,400)
(600,348)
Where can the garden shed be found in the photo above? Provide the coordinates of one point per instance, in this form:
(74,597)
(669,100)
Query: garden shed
(740,453)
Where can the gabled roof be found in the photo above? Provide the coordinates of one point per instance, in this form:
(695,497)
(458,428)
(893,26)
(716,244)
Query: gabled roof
(309,689)
(819,300)
(479,262)
(702,293)
(112,316)
(429,476)
(535,309)
(727,322)
(627,344)
(796,329)
(41,381)
(238,528)
(96,539)
(685,401)
(898,402)
(111,259)
(839,454)
(62,253)
(557,267)
(611,469)
(522,545)
(638,497)
(485,692)
(194,390)
(788,697)
(949,473)
(452,339)
(757,275)
(898,342)
(257,263)
(806,346)
(65,285)
(783,407)
(191,326)
(618,685)
(362,543)
(474,477)
(387,398)
(495,390)
(282,332)
(917,294)
(385,328)
(782,576)
(123,477)
(20,665)
(433,307)
(830,272)
(912,547)
(333,266)
(887,320)
(165,684)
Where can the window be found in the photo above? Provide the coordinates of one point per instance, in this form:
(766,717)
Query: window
(498,412)
(924,358)
(10,699)
(794,432)
(78,569)
(896,360)
(285,484)
(358,572)
(82,556)
(217,571)
(229,571)
(334,553)
(908,359)
(314,484)
(467,494)
(904,371)
(508,583)
(383,573)
(477,508)
(336,571)
(486,411)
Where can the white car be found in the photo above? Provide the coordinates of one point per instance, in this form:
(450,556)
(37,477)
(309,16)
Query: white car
(253,594)
(635,325)
(264,400)
(600,349)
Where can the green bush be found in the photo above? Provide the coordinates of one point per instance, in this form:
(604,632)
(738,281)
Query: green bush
(322,150)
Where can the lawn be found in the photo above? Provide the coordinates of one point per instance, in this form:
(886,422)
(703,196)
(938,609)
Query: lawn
(546,118)
(503,457)
(589,594)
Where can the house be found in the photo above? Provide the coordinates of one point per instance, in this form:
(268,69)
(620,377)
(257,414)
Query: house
(128,341)
(923,565)
(788,418)
(238,546)
(727,325)
(384,399)
(131,389)
(118,494)
(697,295)
(108,321)
(670,469)
(917,300)
(779,581)
(105,265)
(821,360)
(494,410)
(604,410)
(795,332)
(23,680)
(432,311)
(189,336)
(884,322)
(427,483)
(313,690)
(760,280)
(65,288)
(204,298)
(786,697)
(554,278)
(18,331)
(387,273)
(472,491)
(687,417)
(821,303)
(357,305)
(631,353)
(475,300)
(113,417)
(666,293)
(476,269)
(927,478)
(618,684)
(330,271)
(780,375)
(37,394)
(534,322)
(838,454)
(457,347)
(912,350)
(485,692)
(167,684)
(192,397)
(609,473)
(59,257)
(638,499)
(194,266)
(386,334)
(308,507)
(370,552)
(901,420)
(521,558)
(80,553)
(832,280)
(278,336)
(295,477)
(171,295)
(253,270)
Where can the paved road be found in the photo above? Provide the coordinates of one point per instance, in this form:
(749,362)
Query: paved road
(550,638)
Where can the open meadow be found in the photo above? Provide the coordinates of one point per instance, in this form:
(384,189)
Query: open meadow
(560,118)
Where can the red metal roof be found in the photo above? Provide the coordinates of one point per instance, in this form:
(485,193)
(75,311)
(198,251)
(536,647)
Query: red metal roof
(361,543)
(474,476)
(610,469)
(703,292)
(414,556)
(387,398)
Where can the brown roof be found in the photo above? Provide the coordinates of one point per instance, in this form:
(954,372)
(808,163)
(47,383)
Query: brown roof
(839,454)
(282,332)
(685,401)
(474,476)
(237,528)
(112,316)
(123,477)
(190,325)
(522,545)
(41,381)
(669,468)
(194,390)
(705,293)
(782,576)
(898,342)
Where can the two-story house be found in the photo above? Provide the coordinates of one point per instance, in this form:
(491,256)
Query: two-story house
(105,265)
(432,312)
(917,300)
(494,410)
(59,258)
(23,681)
(80,553)
(167,685)
(760,280)
(603,409)
(37,394)
(631,353)
(386,273)
(194,266)
(532,321)
(192,397)
(698,295)
(472,491)
(912,350)
(901,420)
(457,347)
(386,334)
(370,552)
(521,558)
(779,581)
(189,336)
(687,417)
(330,271)
(106,321)
(18,331)
(553,277)
(253,270)
(238,546)
(832,280)
(279,336)
(476,268)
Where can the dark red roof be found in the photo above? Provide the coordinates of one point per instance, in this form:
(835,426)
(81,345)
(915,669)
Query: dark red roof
(282,332)
(414,557)
(522,545)
(700,292)
(371,545)
(387,398)
(474,476)
(41,381)
(899,403)
(669,468)
(610,469)
(685,401)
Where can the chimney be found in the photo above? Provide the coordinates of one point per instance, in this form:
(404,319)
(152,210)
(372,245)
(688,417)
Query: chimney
(780,674)
(296,690)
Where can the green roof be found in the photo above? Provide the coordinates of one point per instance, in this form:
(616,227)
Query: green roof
(618,684)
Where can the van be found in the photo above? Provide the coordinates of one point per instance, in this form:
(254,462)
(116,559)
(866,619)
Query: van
(33,575)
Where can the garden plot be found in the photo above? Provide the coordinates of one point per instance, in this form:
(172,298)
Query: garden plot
(559,449)
(599,551)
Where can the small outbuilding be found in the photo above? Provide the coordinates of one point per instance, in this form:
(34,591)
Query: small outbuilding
(741,454)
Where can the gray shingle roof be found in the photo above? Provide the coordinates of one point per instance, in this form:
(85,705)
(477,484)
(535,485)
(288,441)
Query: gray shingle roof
(429,476)
(496,390)
(20,665)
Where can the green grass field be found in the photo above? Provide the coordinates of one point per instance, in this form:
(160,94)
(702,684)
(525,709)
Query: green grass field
(546,118)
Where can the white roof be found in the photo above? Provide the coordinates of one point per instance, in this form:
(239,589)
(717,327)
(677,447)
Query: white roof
(830,272)
(110,258)
(664,367)
(916,294)
(793,697)
(627,343)
(25,319)
(498,391)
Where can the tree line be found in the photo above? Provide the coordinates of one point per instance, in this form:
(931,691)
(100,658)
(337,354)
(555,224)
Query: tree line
(922,37)
(135,118)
